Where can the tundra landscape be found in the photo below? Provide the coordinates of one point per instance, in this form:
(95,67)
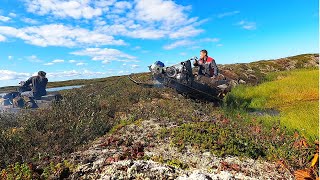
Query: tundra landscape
(111,128)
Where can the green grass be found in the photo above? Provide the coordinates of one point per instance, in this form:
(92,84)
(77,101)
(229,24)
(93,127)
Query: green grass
(294,93)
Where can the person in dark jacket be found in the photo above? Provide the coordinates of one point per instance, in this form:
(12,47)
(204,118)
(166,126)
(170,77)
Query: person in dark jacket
(207,65)
(39,84)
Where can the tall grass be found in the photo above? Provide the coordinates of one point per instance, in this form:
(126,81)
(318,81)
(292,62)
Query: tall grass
(294,93)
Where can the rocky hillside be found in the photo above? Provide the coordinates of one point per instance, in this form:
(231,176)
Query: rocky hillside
(134,152)
(254,72)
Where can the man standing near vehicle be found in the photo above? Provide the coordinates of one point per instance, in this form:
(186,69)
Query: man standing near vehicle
(39,84)
(207,65)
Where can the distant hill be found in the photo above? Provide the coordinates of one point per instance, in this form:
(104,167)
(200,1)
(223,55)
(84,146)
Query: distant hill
(254,72)
(250,72)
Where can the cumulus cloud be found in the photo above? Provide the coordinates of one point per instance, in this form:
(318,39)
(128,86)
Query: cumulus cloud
(30,21)
(247,25)
(186,43)
(74,74)
(61,8)
(210,40)
(185,32)
(59,35)
(134,66)
(48,64)
(4,18)
(150,19)
(58,61)
(77,63)
(81,64)
(54,62)
(34,59)
(10,57)
(12,14)
(232,13)
(162,11)
(141,19)
(6,75)
(105,55)
(178,44)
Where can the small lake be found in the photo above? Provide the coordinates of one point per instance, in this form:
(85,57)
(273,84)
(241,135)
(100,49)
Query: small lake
(63,88)
(54,89)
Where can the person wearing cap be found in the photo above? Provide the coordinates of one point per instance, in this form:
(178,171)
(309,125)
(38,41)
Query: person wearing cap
(207,65)
(39,84)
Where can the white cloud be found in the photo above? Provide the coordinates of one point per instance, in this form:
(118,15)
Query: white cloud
(186,43)
(178,44)
(105,55)
(73,74)
(60,8)
(6,75)
(10,57)
(145,19)
(59,35)
(121,7)
(58,61)
(49,64)
(232,13)
(2,38)
(81,64)
(185,32)
(62,61)
(134,66)
(12,15)
(54,62)
(30,21)
(167,12)
(34,59)
(151,19)
(210,40)
(4,18)
(136,48)
(247,25)
(219,45)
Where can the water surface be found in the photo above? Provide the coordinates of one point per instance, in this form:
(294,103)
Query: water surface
(63,88)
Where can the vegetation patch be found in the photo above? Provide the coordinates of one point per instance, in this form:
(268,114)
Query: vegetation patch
(28,171)
(294,93)
(171,162)
(243,138)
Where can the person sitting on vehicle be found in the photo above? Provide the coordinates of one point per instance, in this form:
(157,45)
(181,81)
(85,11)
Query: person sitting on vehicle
(39,84)
(207,65)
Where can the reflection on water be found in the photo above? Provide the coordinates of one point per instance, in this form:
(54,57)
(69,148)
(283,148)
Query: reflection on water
(53,89)
(63,88)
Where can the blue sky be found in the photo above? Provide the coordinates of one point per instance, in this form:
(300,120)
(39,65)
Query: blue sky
(72,39)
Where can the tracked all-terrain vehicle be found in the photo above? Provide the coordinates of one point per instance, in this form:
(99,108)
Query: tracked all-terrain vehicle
(181,78)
